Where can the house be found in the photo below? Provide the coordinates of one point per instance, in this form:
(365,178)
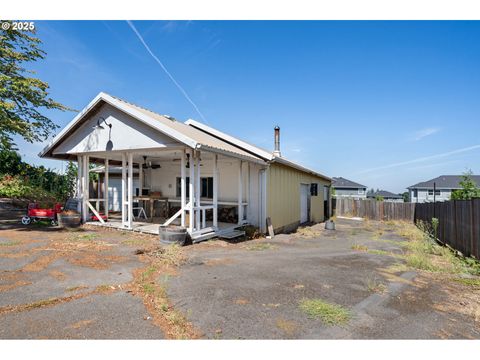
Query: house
(184,173)
(437,189)
(386,196)
(348,189)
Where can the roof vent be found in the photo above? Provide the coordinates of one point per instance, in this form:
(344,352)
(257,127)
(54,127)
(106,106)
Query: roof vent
(169,117)
(276,152)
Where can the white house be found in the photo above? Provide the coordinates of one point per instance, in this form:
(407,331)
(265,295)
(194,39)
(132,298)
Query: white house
(183,173)
(437,189)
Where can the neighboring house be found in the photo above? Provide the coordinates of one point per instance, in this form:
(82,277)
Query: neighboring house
(386,196)
(155,157)
(348,189)
(444,185)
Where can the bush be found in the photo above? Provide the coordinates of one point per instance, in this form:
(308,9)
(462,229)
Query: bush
(17,188)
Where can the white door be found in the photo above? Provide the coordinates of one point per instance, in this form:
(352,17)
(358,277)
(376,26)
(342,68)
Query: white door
(304,190)
(115,193)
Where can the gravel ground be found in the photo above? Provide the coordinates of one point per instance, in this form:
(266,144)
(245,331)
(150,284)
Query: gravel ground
(77,285)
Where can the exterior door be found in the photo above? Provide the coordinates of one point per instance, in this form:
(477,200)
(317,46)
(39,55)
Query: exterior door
(304,192)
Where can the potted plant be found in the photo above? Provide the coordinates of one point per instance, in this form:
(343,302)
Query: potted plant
(69,219)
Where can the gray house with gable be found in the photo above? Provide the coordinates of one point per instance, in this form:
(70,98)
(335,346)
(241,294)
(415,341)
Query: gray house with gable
(345,188)
(439,188)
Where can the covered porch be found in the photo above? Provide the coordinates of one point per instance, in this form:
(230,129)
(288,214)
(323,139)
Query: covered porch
(207,192)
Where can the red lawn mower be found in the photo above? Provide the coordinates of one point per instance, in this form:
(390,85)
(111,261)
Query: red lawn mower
(34,213)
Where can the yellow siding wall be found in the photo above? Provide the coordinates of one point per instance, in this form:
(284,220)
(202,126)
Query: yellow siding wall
(283,196)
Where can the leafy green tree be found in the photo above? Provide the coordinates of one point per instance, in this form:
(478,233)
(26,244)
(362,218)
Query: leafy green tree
(406,196)
(469,188)
(10,162)
(21,95)
(379,197)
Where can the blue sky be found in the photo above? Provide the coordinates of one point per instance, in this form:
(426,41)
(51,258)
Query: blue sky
(386,104)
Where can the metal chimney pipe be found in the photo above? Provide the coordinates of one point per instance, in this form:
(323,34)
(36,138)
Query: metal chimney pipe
(276,152)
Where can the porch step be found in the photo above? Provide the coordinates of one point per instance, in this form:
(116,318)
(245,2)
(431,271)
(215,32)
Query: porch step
(232,234)
(202,236)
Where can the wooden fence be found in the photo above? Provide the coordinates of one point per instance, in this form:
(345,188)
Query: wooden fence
(458,223)
(374,210)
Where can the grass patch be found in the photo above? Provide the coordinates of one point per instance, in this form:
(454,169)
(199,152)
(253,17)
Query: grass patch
(307,232)
(147,284)
(135,242)
(330,314)
(375,286)
(75,288)
(149,288)
(10,243)
(359,247)
(260,247)
(88,236)
(475,283)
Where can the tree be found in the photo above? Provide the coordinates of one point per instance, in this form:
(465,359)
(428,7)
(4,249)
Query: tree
(21,96)
(406,196)
(469,188)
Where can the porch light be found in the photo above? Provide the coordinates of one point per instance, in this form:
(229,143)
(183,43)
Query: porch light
(100,127)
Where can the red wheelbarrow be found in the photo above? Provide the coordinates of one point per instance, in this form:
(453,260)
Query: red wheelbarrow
(34,213)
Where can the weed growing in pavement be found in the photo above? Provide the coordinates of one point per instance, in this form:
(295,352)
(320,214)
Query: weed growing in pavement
(330,314)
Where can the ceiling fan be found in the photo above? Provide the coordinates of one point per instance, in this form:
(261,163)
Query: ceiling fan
(148,164)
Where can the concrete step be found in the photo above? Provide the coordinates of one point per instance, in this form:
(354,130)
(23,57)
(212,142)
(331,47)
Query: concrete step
(231,234)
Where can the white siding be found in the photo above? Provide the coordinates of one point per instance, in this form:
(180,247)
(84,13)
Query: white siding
(423,195)
(126,133)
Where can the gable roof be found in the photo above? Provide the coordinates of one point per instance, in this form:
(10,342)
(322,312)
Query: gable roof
(177,130)
(385,194)
(191,133)
(444,182)
(257,151)
(340,182)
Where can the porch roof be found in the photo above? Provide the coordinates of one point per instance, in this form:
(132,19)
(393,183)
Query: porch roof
(181,132)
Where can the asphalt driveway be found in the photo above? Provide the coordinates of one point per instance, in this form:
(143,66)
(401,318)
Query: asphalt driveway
(80,285)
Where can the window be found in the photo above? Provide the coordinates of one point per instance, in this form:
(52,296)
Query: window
(361,191)
(430,192)
(415,193)
(206,187)
(437,192)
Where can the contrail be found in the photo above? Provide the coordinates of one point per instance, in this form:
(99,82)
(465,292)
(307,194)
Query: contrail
(422,159)
(182,90)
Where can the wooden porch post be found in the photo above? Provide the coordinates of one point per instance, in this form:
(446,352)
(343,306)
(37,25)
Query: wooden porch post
(86,187)
(79,191)
(240,192)
(130,190)
(124,189)
(198,191)
(248,194)
(215,190)
(182,187)
(105,187)
(191,189)
(140,179)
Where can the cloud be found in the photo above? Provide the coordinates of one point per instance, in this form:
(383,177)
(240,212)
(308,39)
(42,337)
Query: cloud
(422,159)
(420,134)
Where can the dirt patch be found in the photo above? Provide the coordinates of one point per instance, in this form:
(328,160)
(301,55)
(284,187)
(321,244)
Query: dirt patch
(8,287)
(242,301)
(41,263)
(57,275)
(95,261)
(289,328)
(81,324)
(218,261)
(162,261)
